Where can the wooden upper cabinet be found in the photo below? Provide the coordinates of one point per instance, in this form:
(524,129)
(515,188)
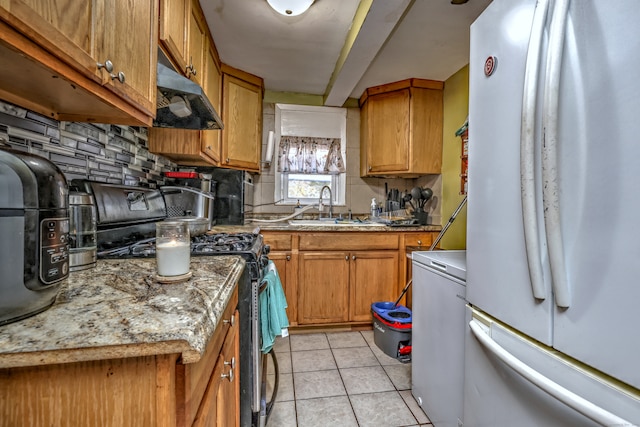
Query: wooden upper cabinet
(183,34)
(174,27)
(211,139)
(242,118)
(193,147)
(51,55)
(401,129)
(127,28)
(198,33)
(66,29)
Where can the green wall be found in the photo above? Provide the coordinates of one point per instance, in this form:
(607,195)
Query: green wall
(456,108)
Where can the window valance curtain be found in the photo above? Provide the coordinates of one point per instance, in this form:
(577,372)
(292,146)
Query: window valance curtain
(301,154)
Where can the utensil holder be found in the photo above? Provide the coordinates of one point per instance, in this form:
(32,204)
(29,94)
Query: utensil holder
(421,216)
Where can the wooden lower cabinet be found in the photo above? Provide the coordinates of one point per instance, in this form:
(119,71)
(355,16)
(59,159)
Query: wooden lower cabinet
(412,242)
(333,278)
(373,277)
(338,286)
(133,392)
(286,265)
(220,404)
(155,391)
(323,287)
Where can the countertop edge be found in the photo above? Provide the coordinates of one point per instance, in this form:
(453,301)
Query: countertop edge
(89,354)
(323,228)
(191,348)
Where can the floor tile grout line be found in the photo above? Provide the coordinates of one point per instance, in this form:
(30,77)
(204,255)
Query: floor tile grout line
(394,385)
(379,363)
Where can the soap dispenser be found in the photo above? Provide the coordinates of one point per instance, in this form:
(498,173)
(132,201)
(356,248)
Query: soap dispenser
(374,208)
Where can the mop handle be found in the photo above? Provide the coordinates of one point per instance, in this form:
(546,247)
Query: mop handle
(446,227)
(404,291)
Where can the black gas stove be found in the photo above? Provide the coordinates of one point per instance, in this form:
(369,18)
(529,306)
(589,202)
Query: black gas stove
(249,246)
(126,222)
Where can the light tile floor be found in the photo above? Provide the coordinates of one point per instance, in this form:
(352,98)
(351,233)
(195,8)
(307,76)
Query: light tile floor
(342,379)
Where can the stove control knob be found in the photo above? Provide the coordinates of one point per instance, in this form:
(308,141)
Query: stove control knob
(264,261)
(266,249)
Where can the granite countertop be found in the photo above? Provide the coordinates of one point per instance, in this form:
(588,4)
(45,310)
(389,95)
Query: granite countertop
(285,226)
(117,310)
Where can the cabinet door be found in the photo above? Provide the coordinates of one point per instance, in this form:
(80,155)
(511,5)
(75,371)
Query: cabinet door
(221,401)
(373,277)
(285,263)
(323,287)
(210,143)
(388,122)
(63,28)
(228,397)
(174,25)
(197,44)
(67,40)
(208,411)
(242,119)
(129,33)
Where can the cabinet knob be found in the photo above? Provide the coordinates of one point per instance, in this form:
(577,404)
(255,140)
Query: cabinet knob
(227,160)
(353,257)
(190,68)
(229,375)
(108,65)
(419,242)
(288,257)
(232,363)
(369,168)
(346,258)
(208,147)
(231,321)
(120,77)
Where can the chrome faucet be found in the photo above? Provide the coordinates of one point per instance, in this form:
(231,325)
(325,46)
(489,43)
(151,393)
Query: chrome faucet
(330,202)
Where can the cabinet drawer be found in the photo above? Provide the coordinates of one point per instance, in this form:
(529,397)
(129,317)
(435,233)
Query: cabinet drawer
(192,379)
(278,242)
(418,239)
(348,241)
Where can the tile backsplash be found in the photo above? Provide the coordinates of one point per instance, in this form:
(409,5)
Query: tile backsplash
(108,153)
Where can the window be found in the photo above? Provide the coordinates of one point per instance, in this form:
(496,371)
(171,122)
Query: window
(311,123)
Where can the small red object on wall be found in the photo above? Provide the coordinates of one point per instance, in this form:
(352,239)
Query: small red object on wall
(463,133)
(464,161)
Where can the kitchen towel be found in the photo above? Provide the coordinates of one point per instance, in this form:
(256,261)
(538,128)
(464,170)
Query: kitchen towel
(273,316)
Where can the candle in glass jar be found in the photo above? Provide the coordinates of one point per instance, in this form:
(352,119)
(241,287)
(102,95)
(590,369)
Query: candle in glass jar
(173,257)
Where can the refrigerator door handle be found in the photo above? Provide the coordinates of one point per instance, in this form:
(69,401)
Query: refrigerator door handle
(579,404)
(527,134)
(551,192)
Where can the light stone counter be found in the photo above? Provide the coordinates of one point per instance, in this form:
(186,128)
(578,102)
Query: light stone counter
(118,310)
(284,226)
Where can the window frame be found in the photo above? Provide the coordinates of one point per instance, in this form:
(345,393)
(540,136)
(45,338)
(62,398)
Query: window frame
(311,121)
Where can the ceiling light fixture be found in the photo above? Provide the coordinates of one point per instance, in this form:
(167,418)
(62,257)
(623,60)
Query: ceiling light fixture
(459,1)
(290,7)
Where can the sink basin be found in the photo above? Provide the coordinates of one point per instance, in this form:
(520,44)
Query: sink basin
(334,223)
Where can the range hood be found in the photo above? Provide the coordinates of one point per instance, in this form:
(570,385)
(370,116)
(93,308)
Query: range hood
(182,103)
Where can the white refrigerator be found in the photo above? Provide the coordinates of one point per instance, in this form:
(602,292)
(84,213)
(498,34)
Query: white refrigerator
(553,243)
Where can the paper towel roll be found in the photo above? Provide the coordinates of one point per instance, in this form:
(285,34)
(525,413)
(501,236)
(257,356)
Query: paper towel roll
(269,154)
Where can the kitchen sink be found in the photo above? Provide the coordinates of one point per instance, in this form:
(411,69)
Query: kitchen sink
(334,223)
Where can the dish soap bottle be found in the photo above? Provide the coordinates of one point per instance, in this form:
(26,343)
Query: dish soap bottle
(374,208)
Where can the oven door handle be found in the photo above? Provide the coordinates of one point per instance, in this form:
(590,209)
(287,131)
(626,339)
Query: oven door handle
(267,407)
